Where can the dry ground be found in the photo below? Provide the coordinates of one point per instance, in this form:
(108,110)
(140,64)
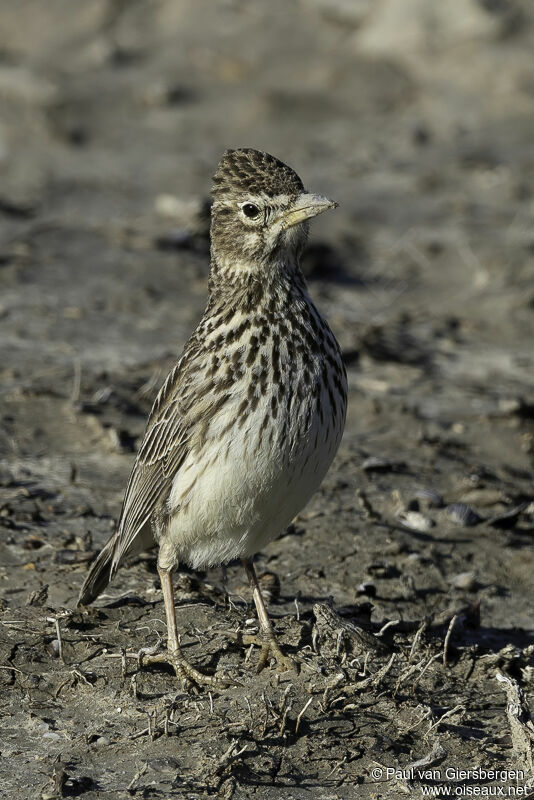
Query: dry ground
(418,118)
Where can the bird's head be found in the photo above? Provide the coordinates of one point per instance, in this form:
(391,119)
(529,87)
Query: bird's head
(260,213)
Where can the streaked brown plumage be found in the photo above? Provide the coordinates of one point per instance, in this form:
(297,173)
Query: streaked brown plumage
(248,421)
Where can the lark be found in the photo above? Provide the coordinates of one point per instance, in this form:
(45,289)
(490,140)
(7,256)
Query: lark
(247,423)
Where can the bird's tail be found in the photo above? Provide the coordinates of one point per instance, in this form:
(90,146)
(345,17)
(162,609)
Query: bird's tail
(99,575)
(105,565)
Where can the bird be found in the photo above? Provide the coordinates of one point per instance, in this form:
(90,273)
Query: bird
(247,423)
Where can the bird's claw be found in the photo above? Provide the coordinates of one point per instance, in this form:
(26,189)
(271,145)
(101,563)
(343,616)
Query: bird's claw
(191,677)
(270,649)
(283,663)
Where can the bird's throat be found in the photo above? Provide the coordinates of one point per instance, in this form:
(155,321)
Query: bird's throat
(247,287)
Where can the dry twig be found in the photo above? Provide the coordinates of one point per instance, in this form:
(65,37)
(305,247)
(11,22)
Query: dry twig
(520,720)
(450,629)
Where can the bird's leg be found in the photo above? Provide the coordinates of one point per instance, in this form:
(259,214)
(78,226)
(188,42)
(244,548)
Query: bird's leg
(174,655)
(269,644)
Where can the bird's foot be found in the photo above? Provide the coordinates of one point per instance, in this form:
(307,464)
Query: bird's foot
(191,677)
(271,649)
(283,663)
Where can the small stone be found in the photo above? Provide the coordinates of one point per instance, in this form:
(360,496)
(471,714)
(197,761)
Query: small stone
(32,543)
(366,588)
(428,498)
(516,407)
(54,646)
(381,569)
(465,581)
(377,464)
(507,519)
(191,215)
(270,586)
(414,557)
(102,741)
(416,520)
(67,556)
(483,497)
(51,736)
(38,597)
(462,514)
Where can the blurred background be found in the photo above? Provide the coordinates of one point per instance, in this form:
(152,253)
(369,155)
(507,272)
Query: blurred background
(416,116)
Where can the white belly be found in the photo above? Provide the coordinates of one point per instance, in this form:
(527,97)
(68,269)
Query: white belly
(241,491)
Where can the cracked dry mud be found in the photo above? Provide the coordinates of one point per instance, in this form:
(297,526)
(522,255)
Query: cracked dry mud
(405,586)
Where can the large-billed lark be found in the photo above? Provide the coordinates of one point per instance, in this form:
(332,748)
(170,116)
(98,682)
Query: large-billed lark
(247,423)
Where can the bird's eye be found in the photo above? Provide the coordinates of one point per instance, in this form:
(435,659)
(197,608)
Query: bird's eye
(250,210)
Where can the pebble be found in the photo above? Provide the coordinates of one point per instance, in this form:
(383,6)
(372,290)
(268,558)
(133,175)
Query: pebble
(190,215)
(102,741)
(511,406)
(507,519)
(269,586)
(381,569)
(465,581)
(516,407)
(428,498)
(377,464)
(52,736)
(482,497)
(463,515)
(367,588)
(416,520)
(414,557)
(67,556)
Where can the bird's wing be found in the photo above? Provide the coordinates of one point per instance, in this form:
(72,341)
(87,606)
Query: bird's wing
(163,449)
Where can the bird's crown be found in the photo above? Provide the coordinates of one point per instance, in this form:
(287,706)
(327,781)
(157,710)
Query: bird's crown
(256,172)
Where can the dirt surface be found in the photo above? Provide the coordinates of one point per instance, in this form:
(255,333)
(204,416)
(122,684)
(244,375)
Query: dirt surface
(418,118)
